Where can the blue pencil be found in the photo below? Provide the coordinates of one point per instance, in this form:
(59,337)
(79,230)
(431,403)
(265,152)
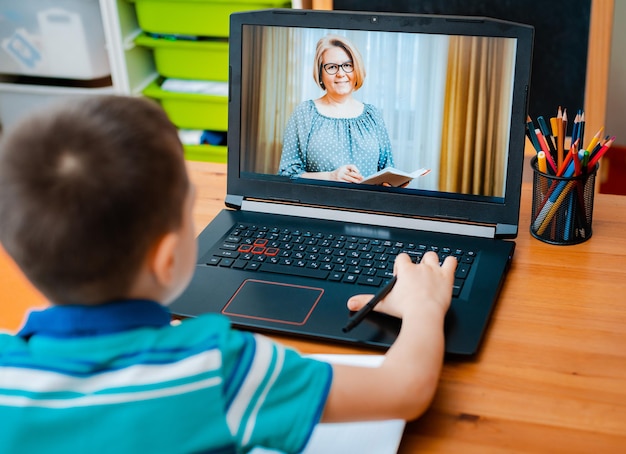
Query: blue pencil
(553,197)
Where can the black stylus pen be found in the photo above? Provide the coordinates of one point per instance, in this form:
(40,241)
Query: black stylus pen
(369,307)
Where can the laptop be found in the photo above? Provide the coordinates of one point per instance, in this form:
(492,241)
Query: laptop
(287,252)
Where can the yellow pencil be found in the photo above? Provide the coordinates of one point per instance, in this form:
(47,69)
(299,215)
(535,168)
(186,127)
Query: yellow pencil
(555,207)
(560,143)
(541,162)
(595,140)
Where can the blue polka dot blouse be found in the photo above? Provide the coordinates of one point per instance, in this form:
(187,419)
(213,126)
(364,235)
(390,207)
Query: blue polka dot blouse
(317,143)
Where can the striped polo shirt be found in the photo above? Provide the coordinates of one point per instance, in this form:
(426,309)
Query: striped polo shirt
(120,378)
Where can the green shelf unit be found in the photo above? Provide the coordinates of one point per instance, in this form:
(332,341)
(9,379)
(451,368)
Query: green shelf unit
(191,110)
(195,17)
(206,153)
(188,59)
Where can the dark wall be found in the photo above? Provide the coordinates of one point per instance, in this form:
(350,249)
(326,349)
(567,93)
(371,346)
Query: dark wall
(560,47)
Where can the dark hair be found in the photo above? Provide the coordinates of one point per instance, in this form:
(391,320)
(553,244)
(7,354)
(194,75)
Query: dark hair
(86,189)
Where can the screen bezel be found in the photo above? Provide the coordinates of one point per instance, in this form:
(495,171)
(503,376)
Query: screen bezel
(500,212)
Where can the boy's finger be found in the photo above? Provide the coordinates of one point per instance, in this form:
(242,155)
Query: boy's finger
(450,262)
(402,259)
(356,302)
(431,258)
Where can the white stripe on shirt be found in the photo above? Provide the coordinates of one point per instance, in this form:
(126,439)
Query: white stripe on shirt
(109,399)
(280,360)
(257,373)
(38,381)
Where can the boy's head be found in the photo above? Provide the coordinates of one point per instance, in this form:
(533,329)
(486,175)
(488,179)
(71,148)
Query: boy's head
(86,191)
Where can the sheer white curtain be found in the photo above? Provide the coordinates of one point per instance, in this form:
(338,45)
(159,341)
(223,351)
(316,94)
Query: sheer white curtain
(406,76)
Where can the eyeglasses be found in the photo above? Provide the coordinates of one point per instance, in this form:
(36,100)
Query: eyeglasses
(333,68)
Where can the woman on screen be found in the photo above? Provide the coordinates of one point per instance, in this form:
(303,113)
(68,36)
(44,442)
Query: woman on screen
(336,137)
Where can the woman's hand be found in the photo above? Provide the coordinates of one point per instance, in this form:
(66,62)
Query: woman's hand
(348,173)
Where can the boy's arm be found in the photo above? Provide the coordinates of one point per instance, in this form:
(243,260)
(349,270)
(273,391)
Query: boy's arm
(404,385)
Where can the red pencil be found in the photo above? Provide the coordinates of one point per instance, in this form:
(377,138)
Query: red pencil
(567,159)
(542,141)
(596,157)
(551,162)
(561,139)
(574,154)
(564,129)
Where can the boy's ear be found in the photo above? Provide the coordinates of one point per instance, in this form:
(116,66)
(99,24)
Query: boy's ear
(163,258)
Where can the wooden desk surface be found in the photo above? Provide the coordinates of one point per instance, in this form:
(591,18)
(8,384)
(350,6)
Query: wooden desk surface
(551,374)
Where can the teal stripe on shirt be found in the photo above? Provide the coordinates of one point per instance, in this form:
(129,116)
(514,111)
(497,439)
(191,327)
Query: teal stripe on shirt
(180,419)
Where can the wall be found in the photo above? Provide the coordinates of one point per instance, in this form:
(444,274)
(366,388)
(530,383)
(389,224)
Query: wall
(616,96)
(560,44)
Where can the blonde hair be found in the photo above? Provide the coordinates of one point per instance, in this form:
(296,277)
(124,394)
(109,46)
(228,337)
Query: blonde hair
(330,41)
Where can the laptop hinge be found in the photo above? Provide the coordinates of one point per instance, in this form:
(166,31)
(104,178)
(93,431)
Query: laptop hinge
(506,230)
(233,201)
(381,220)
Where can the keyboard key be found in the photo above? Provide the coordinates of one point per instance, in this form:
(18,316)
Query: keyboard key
(462,270)
(320,255)
(226,262)
(294,271)
(229,254)
(213,261)
(369,280)
(457,286)
(240,264)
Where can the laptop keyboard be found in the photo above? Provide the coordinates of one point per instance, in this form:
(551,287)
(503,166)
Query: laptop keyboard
(318,255)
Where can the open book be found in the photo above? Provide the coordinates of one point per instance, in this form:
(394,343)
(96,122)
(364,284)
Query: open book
(393,176)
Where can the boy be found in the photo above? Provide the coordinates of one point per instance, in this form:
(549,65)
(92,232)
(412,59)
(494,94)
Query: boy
(96,209)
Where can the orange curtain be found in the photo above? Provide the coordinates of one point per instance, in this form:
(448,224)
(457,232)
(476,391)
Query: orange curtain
(268,94)
(475,133)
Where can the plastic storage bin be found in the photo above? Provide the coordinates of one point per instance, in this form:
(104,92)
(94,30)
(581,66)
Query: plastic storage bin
(189,59)
(53,38)
(204,145)
(19,100)
(191,110)
(206,153)
(195,17)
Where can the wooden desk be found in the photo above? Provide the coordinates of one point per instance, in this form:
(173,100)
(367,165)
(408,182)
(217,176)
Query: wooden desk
(551,374)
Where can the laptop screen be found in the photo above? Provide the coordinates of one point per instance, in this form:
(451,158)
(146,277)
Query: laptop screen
(440,98)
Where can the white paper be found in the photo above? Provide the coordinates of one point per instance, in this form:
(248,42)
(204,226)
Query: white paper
(371,437)
(190,136)
(206,87)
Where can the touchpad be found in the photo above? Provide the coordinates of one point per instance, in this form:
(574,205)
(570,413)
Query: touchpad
(274,302)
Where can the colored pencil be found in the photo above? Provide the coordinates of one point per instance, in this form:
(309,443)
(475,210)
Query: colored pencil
(596,157)
(560,139)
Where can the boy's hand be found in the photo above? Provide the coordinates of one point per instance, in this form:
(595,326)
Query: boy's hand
(417,285)
(412,365)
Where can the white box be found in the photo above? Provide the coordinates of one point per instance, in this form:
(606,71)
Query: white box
(19,100)
(53,38)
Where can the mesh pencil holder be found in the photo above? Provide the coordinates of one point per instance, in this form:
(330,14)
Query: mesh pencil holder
(562,208)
